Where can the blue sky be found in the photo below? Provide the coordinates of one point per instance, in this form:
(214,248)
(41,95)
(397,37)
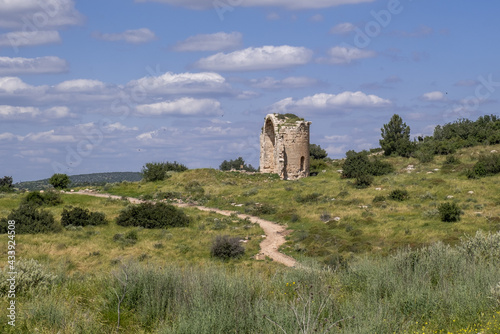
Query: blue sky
(98,86)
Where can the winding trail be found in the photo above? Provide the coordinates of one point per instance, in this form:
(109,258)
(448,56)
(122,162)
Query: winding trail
(275,233)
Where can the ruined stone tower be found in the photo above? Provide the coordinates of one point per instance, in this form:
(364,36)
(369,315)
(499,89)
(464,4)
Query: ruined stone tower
(284,146)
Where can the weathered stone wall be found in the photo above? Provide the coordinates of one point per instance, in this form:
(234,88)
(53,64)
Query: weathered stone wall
(284,146)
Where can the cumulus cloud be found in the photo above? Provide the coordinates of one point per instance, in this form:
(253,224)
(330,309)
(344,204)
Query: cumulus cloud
(182,83)
(254,59)
(38,14)
(341,55)
(289,4)
(136,36)
(344,100)
(210,42)
(433,96)
(342,28)
(185,106)
(80,85)
(17,39)
(40,65)
(8,112)
(47,137)
(14,112)
(289,82)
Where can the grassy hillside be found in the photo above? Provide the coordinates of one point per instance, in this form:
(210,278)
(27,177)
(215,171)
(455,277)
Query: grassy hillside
(329,216)
(83,180)
(373,283)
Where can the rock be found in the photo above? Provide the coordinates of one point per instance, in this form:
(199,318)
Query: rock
(41,191)
(493,151)
(436,169)
(378,189)
(340,170)
(72,190)
(449,197)
(363,207)
(470,192)
(336,219)
(430,173)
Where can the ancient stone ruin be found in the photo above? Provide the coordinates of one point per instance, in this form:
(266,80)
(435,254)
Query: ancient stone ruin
(284,146)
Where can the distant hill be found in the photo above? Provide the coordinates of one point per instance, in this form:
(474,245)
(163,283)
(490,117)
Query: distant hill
(83,180)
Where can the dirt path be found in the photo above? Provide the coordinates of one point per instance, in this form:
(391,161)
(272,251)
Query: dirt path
(275,233)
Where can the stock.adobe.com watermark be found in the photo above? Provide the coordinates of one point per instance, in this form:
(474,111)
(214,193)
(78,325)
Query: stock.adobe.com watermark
(12,274)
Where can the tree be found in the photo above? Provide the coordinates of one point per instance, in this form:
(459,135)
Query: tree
(396,138)
(59,181)
(6,184)
(238,164)
(316,152)
(154,171)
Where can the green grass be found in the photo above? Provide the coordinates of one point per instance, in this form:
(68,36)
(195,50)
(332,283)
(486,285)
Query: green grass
(174,286)
(381,227)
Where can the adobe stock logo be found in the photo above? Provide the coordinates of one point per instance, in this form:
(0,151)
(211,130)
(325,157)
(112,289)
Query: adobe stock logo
(373,28)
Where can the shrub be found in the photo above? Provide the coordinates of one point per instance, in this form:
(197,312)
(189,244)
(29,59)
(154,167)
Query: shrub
(30,275)
(487,165)
(316,152)
(225,247)
(424,155)
(59,181)
(396,138)
(316,166)
(29,219)
(481,247)
(451,160)
(363,181)
(238,164)
(82,217)
(194,188)
(314,197)
(149,215)
(379,167)
(357,164)
(399,195)
(6,184)
(378,199)
(35,198)
(449,212)
(154,171)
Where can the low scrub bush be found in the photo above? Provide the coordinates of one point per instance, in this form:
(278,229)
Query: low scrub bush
(36,198)
(481,247)
(308,198)
(487,165)
(399,195)
(363,181)
(357,164)
(30,220)
(30,275)
(225,247)
(82,217)
(449,212)
(149,215)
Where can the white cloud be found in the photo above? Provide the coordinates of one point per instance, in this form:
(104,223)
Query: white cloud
(13,85)
(290,82)
(210,42)
(48,137)
(338,139)
(289,4)
(119,127)
(136,36)
(13,112)
(185,106)
(254,59)
(345,55)
(41,65)
(343,28)
(7,136)
(38,14)
(17,39)
(433,96)
(182,83)
(80,85)
(58,112)
(331,101)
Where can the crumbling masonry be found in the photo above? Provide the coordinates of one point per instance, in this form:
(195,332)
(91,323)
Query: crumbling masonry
(284,146)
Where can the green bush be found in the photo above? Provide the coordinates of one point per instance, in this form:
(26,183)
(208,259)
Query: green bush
(149,215)
(30,220)
(6,184)
(358,163)
(378,199)
(449,212)
(364,181)
(59,181)
(225,247)
(487,165)
(316,152)
(154,171)
(314,197)
(399,195)
(195,189)
(30,275)
(36,198)
(237,164)
(82,217)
